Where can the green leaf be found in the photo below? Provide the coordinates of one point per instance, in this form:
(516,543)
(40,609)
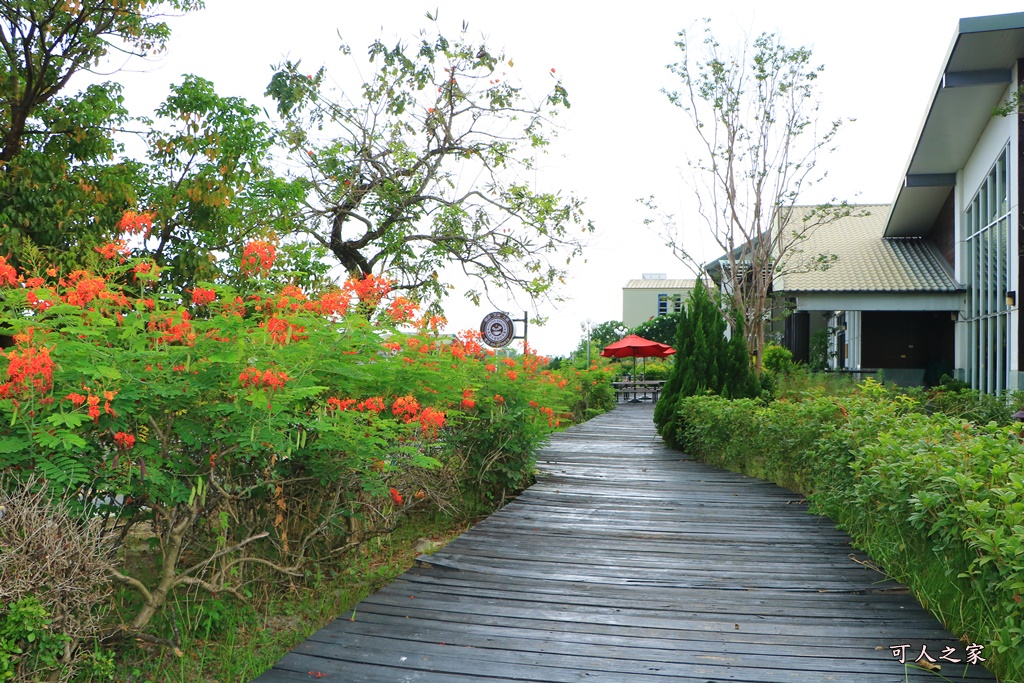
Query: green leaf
(71,420)
(108,372)
(13,445)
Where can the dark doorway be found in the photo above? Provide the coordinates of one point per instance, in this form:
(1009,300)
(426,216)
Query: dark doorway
(908,339)
(797,335)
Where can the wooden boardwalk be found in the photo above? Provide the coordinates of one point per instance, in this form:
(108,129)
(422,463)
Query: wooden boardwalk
(629,562)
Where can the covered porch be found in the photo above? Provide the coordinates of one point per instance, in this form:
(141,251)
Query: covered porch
(909,339)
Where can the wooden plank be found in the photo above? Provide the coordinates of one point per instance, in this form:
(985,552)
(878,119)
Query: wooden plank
(630,562)
(706,636)
(609,657)
(808,628)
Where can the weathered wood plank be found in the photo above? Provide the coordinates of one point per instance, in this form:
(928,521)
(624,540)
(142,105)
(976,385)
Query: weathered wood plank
(630,562)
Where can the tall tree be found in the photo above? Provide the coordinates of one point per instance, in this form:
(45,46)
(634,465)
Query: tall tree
(210,185)
(607,333)
(428,166)
(60,185)
(661,329)
(755,115)
(43,43)
(705,360)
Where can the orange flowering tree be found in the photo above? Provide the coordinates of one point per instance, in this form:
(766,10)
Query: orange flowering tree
(253,428)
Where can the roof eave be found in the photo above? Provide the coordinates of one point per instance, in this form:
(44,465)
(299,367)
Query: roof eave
(963,97)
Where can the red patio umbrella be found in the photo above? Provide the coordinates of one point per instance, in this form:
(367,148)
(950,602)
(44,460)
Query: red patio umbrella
(637,347)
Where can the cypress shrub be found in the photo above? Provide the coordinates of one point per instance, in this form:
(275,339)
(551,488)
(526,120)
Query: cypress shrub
(705,362)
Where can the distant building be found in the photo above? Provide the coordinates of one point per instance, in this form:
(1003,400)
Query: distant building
(651,296)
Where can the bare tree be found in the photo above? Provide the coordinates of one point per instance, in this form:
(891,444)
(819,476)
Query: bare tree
(756,118)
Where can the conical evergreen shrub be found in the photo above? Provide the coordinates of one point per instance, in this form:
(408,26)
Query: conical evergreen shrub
(705,361)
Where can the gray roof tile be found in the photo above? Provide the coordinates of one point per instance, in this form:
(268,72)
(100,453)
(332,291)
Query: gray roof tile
(660,284)
(866,262)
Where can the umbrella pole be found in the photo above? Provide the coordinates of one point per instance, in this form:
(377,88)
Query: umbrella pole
(634,399)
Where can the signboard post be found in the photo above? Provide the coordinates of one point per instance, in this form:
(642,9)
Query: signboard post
(498,329)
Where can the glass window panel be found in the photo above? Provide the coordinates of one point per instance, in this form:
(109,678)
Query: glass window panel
(1006,183)
(969,270)
(982,356)
(983,273)
(992,275)
(983,204)
(1000,189)
(987,369)
(1004,264)
(1000,371)
(978,282)
(987,276)
(972,353)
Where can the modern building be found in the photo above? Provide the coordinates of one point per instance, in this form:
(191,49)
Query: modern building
(961,191)
(931,284)
(651,296)
(886,304)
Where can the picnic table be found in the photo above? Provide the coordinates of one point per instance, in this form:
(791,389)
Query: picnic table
(635,391)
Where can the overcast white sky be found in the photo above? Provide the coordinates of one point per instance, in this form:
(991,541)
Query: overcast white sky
(622,139)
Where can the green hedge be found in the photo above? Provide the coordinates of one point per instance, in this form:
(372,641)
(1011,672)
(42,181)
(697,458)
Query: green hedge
(937,500)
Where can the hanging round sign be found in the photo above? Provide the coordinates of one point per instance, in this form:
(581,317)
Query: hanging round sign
(497,329)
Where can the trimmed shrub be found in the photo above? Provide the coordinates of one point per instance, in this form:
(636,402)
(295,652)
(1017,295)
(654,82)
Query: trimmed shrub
(777,359)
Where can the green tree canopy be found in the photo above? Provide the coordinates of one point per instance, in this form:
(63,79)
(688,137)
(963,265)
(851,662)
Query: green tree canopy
(425,167)
(661,329)
(607,333)
(209,183)
(60,186)
(43,43)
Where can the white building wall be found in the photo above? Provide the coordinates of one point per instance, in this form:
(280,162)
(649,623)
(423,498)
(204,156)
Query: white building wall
(641,304)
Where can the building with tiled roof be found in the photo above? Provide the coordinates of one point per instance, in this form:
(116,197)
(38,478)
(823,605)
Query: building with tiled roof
(931,283)
(886,303)
(866,261)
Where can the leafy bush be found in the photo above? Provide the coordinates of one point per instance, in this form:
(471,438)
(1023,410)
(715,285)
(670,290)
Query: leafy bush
(591,390)
(255,428)
(28,647)
(936,499)
(973,406)
(657,370)
(777,359)
(802,382)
